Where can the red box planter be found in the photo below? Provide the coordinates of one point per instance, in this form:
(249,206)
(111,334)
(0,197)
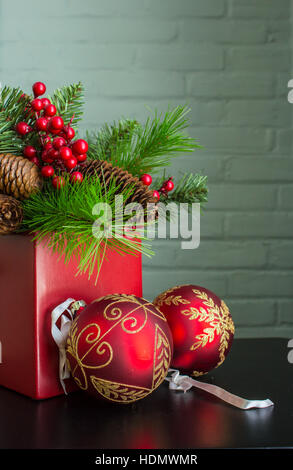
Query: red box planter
(32,282)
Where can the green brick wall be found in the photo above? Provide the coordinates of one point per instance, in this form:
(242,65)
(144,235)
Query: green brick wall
(230,60)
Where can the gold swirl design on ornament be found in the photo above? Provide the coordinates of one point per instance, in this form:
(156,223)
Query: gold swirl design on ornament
(118,392)
(92,338)
(129,324)
(162,357)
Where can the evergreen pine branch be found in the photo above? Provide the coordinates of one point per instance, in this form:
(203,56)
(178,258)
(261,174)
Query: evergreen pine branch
(189,188)
(69,102)
(105,141)
(64,220)
(13,104)
(149,147)
(15,107)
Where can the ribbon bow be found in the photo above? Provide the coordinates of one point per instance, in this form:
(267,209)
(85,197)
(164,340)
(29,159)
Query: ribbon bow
(60,335)
(184,383)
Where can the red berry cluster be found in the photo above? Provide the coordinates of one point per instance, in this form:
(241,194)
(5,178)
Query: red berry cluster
(166,187)
(57,152)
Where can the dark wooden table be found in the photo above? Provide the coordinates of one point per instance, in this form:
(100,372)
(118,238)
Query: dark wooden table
(254,369)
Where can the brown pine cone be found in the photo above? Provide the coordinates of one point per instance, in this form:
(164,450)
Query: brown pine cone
(107,172)
(11,214)
(18,176)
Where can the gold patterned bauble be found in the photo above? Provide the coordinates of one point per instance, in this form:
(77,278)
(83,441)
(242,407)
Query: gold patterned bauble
(201,325)
(120,348)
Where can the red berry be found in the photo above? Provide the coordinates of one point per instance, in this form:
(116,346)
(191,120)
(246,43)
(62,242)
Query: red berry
(168,185)
(71,163)
(65,153)
(80,146)
(22,128)
(70,133)
(41,124)
(50,110)
(146,179)
(54,131)
(58,182)
(76,177)
(56,123)
(35,160)
(53,154)
(58,142)
(29,151)
(37,104)
(81,158)
(47,171)
(48,146)
(39,88)
(45,102)
(156,194)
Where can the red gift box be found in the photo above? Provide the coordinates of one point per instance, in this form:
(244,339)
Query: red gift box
(33,281)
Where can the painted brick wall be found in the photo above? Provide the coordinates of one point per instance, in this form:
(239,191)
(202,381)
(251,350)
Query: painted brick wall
(230,60)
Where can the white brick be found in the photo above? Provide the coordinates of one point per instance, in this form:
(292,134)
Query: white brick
(231,85)
(281,254)
(91,29)
(258,113)
(260,284)
(222,31)
(260,8)
(259,225)
(239,140)
(83,57)
(285,312)
(267,58)
(252,312)
(286,196)
(242,197)
(155,282)
(210,254)
(137,84)
(174,57)
(255,168)
(186,8)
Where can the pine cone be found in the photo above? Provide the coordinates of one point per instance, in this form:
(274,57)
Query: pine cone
(107,172)
(11,214)
(18,176)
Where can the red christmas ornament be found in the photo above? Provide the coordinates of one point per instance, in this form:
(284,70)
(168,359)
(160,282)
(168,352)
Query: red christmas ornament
(39,88)
(146,179)
(119,347)
(201,325)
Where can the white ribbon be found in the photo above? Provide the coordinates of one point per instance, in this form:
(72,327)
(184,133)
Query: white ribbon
(184,383)
(60,335)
